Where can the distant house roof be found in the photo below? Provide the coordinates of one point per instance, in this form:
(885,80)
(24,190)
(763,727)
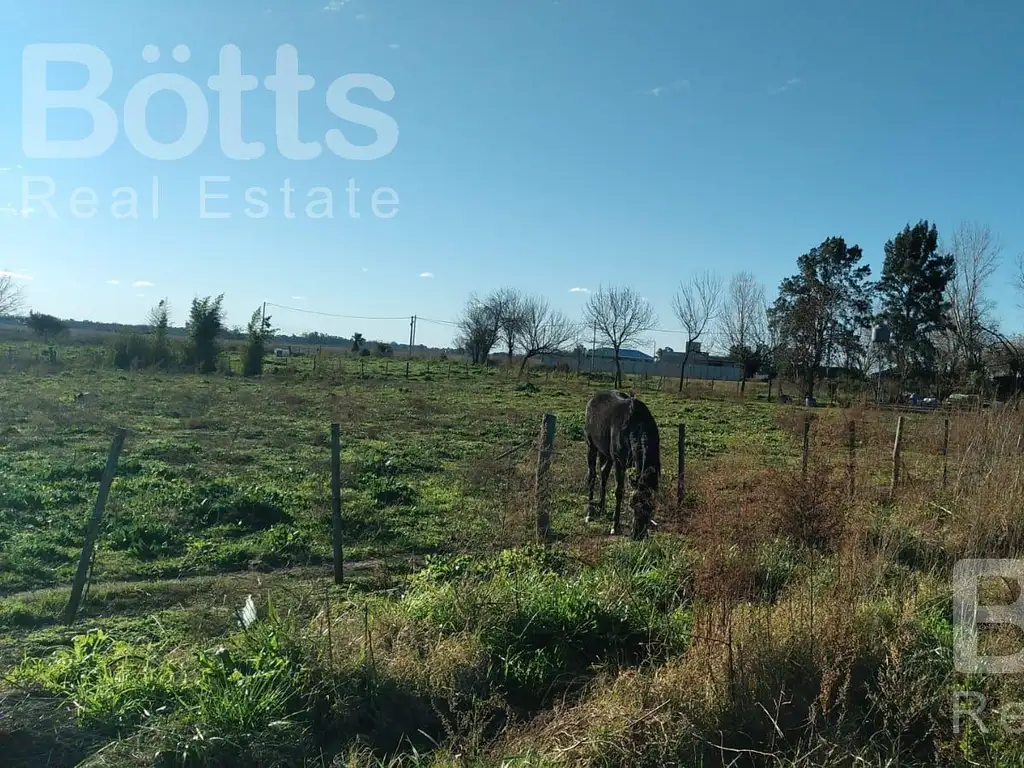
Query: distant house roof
(624,354)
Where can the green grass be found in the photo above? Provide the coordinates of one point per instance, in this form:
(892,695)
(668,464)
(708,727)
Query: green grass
(455,641)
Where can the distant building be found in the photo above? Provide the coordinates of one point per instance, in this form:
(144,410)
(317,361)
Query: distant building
(699,365)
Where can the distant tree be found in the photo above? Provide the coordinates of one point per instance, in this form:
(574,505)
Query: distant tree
(821,308)
(159,319)
(383,350)
(619,316)
(357,343)
(11,296)
(258,333)
(976,256)
(205,324)
(743,322)
(510,307)
(479,327)
(911,292)
(544,331)
(47,326)
(697,305)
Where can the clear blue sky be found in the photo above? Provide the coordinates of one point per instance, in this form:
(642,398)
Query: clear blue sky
(546,144)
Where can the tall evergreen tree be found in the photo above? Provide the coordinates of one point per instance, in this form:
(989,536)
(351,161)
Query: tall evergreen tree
(912,292)
(820,309)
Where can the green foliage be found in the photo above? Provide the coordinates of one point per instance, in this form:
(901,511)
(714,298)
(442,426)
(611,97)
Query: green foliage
(160,320)
(821,308)
(217,707)
(912,294)
(113,684)
(205,324)
(259,332)
(545,624)
(47,326)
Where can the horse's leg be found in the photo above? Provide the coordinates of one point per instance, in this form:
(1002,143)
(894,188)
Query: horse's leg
(620,481)
(591,477)
(606,468)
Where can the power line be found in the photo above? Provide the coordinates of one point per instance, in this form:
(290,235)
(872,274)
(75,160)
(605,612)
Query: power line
(448,323)
(329,314)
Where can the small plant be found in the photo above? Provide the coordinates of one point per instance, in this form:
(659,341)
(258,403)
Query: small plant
(205,324)
(160,320)
(258,333)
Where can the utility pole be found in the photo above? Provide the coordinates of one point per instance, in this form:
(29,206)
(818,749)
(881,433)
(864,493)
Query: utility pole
(593,349)
(412,334)
(263,316)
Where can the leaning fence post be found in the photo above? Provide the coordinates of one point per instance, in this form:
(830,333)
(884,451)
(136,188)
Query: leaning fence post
(94,526)
(807,445)
(897,448)
(543,465)
(339,570)
(945,450)
(681,469)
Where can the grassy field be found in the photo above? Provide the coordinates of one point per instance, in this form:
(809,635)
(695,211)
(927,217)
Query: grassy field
(775,619)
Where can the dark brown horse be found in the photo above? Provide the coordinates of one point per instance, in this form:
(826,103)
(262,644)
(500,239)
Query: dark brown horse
(622,432)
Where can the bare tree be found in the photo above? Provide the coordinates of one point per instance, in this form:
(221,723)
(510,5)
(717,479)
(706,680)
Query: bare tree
(743,319)
(478,329)
(11,296)
(976,254)
(696,305)
(619,316)
(510,306)
(544,330)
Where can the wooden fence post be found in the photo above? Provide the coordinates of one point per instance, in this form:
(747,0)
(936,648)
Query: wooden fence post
(78,585)
(681,469)
(339,570)
(853,454)
(945,450)
(897,449)
(807,446)
(547,446)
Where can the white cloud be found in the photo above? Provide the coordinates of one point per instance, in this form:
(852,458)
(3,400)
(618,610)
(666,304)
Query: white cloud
(579,290)
(426,274)
(361,17)
(10,210)
(365,269)
(299,298)
(394,46)
(142,284)
(14,275)
(661,90)
(793,82)
(113,282)
(335,5)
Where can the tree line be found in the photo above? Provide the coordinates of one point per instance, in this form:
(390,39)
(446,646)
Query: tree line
(927,320)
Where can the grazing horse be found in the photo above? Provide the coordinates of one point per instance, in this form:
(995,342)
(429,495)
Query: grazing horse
(621,430)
